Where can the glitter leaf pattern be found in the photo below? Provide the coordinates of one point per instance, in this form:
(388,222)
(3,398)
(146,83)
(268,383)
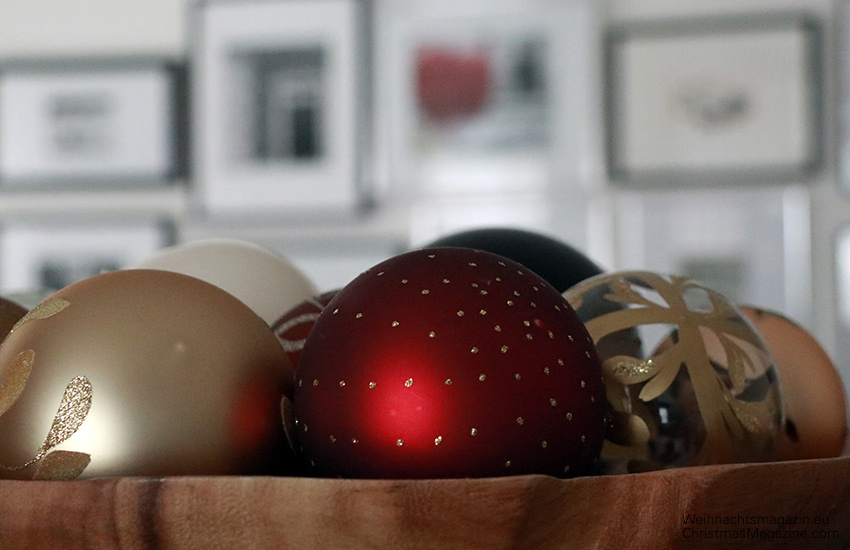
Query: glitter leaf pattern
(73,410)
(14,380)
(62,466)
(726,416)
(47,308)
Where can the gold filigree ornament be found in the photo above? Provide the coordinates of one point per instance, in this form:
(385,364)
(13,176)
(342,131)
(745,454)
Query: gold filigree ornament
(73,409)
(689,379)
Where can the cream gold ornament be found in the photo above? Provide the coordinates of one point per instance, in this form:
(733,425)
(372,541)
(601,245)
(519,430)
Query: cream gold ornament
(267,282)
(688,378)
(142,372)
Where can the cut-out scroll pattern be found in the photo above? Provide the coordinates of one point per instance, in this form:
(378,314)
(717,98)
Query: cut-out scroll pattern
(737,427)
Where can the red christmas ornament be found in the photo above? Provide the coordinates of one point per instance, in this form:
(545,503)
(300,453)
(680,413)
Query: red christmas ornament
(449,362)
(294,325)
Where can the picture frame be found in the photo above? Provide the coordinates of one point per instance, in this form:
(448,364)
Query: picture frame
(714,101)
(110,122)
(281,116)
(484,97)
(42,255)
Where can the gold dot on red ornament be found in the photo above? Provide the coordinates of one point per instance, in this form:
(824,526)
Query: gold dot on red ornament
(342,383)
(372,385)
(482,377)
(395,323)
(425,291)
(517,376)
(460,313)
(544,444)
(553,402)
(332,439)
(438,440)
(482,312)
(583,439)
(399,442)
(569,416)
(473,432)
(355,440)
(507,464)
(504,349)
(510,302)
(497,328)
(432,334)
(474,350)
(448,381)
(358,316)
(520,420)
(567,469)
(408,382)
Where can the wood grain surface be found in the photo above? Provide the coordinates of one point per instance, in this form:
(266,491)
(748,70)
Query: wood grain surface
(527,512)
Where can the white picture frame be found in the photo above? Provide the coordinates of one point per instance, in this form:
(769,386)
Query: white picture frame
(91,123)
(514,141)
(717,101)
(43,255)
(280,119)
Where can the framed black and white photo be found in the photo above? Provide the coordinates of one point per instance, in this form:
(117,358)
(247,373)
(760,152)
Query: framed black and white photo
(44,255)
(714,101)
(100,122)
(481,96)
(281,116)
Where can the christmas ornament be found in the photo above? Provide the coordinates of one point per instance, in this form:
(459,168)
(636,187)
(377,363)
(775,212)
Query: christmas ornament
(267,282)
(689,380)
(294,326)
(560,264)
(145,373)
(812,390)
(449,362)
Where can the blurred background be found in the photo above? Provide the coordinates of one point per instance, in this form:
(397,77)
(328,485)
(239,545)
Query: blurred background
(704,139)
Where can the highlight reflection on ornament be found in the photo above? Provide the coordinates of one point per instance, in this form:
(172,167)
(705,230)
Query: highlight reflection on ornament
(689,380)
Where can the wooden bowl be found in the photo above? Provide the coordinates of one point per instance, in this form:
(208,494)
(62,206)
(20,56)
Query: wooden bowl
(658,510)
